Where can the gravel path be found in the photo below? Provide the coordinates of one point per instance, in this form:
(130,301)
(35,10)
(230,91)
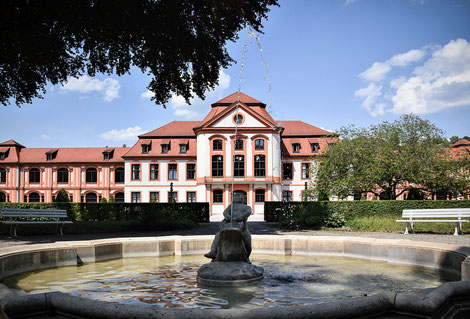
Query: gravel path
(256,228)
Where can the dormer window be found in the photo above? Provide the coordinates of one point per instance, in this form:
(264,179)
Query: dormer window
(183,148)
(296,147)
(145,149)
(51,154)
(2,156)
(164,148)
(315,147)
(4,152)
(108,154)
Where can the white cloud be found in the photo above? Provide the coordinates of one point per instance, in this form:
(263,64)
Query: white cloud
(147,94)
(349,1)
(379,70)
(440,82)
(45,137)
(109,87)
(127,134)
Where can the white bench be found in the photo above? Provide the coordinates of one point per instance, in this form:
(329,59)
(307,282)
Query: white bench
(444,215)
(21,215)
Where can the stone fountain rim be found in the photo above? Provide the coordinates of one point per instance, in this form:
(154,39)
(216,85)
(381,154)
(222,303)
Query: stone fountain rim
(17,259)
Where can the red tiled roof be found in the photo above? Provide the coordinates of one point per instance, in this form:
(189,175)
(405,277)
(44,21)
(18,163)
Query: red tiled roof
(287,148)
(173,129)
(461,142)
(299,128)
(11,143)
(232,98)
(72,155)
(156,149)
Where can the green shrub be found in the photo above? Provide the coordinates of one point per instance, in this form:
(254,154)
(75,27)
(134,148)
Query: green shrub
(335,220)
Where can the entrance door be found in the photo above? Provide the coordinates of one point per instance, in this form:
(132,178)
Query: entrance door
(242,193)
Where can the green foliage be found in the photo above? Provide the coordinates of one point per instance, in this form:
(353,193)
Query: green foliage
(170,217)
(297,215)
(97,212)
(103,200)
(179,44)
(62,196)
(410,153)
(112,200)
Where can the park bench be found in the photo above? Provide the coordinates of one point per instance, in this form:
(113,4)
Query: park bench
(445,215)
(23,216)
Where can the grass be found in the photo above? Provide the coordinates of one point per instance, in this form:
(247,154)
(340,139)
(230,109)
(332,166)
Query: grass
(388,224)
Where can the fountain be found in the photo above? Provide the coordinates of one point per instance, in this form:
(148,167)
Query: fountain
(230,250)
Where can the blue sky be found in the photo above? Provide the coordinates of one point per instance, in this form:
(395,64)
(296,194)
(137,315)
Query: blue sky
(331,63)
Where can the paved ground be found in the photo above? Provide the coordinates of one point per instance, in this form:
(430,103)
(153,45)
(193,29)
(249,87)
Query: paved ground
(257,228)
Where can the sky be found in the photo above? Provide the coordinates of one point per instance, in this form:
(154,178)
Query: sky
(329,63)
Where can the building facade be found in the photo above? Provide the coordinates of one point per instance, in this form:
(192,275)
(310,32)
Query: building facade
(237,147)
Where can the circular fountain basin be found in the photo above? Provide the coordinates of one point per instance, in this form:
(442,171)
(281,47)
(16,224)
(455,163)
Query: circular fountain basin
(445,260)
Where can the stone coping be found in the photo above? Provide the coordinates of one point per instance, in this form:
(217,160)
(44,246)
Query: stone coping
(450,258)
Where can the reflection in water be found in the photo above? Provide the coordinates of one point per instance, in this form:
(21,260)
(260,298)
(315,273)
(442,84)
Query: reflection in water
(171,281)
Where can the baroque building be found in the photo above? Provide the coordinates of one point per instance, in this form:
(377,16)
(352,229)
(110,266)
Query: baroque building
(238,146)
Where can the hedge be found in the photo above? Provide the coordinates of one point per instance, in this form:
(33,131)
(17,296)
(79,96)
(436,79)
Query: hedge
(197,212)
(301,212)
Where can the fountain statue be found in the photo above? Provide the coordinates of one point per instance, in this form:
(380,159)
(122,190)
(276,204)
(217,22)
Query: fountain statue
(230,250)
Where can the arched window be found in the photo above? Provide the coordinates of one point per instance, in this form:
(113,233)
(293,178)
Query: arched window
(259,145)
(91,198)
(3,176)
(217,166)
(119,175)
(34,176)
(3,197)
(260,165)
(62,176)
(239,166)
(91,175)
(119,197)
(34,198)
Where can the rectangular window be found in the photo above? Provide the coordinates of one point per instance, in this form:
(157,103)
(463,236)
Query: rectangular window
(135,197)
(154,197)
(191,197)
(218,196)
(172,171)
(49,156)
(172,197)
(3,175)
(217,145)
(135,172)
(259,145)
(260,166)
(217,166)
(296,147)
(190,171)
(34,176)
(239,145)
(2,156)
(91,175)
(153,172)
(145,149)
(315,147)
(183,148)
(287,196)
(305,170)
(287,171)
(164,148)
(239,166)
(259,196)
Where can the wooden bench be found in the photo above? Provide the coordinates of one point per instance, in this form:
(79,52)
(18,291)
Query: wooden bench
(445,215)
(30,216)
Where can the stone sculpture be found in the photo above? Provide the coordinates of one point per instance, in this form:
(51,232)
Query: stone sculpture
(230,250)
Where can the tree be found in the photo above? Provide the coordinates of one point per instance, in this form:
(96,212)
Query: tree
(62,196)
(180,43)
(112,200)
(389,159)
(103,200)
(454,139)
